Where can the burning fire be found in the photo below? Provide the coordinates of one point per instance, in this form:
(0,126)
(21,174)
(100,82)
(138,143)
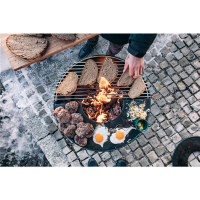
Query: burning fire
(104,97)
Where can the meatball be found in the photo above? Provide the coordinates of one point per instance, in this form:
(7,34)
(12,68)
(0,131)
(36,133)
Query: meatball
(63,116)
(63,126)
(91,131)
(87,129)
(76,118)
(80,124)
(56,111)
(72,107)
(70,131)
(82,132)
(80,141)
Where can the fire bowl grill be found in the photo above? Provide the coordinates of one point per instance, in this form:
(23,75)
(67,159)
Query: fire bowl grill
(83,92)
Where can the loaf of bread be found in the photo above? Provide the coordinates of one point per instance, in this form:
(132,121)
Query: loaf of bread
(26,47)
(137,88)
(125,80)
(89,73)
(109,70)
(68,85)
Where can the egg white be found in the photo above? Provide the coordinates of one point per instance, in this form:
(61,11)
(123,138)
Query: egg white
(113,138)
(103,131)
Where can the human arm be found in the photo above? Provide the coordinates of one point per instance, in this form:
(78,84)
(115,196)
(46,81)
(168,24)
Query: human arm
(138,46)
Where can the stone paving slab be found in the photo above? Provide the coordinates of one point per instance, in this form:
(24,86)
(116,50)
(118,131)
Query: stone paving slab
(172,70)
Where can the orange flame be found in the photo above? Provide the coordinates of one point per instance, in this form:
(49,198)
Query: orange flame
(103,97)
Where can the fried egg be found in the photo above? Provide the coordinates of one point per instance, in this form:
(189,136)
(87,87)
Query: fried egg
(120,135)
(100,135)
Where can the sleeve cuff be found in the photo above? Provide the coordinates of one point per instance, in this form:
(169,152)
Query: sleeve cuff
(135,53)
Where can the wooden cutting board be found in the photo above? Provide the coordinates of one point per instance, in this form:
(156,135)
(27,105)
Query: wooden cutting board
(54,46)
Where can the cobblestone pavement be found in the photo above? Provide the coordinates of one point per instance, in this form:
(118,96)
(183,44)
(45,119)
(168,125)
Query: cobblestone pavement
(172,71)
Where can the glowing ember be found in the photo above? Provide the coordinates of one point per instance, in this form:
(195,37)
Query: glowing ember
(99,104)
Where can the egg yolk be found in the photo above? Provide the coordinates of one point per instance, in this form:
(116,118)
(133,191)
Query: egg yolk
(119,135)
(98,137)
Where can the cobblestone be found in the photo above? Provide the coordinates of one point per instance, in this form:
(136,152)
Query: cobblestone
(183,62)
(105,156)
(82,154)
(165,140)
(193,116)
(97,157)
(176,138)
(125,150)
(152,156)
(185,51)
(160,150)
(147,148)
(138,153)
(159,163)
(170,147)
(110,163)
(184,134)
(135,164)
(144,162)
(154,142)
(130,158)
(166,158)
(194,47)
(142,140)
(178,55)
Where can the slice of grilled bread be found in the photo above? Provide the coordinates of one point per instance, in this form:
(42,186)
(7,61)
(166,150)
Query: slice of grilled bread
(68,85)
(89,73)
(65,37)
(26,47)
(137,88)
(109,70)
(125,80)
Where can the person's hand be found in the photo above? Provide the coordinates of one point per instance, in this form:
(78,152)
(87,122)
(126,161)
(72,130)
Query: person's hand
(136,65)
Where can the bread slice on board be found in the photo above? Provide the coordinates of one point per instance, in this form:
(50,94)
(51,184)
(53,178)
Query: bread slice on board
(89,73)
(125,80)
(109,70)
(68,85)
(26,47)
(39,35)
(65,37)
(137,88)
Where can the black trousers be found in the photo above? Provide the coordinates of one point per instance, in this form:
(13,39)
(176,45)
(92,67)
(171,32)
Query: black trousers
(113,49)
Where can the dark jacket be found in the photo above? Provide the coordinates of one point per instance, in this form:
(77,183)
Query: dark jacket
(138,43)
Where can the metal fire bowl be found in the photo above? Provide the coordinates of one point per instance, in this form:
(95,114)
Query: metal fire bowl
(121,121)
(183,151)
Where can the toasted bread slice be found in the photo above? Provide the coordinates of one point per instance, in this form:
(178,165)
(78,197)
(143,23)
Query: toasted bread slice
(125,80)
(89,73)
(26,47)
(68,85)
(109,70)
(137,88)
(66,37)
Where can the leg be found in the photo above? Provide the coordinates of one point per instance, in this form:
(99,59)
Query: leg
(88,47)
(93,41)
(114,49)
